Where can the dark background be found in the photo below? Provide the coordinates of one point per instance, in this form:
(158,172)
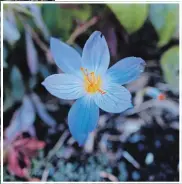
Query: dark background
(138,145)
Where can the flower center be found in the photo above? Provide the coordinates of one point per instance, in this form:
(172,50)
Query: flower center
(92,82)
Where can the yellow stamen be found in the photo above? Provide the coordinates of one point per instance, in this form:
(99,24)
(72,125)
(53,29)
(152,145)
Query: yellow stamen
(91,82)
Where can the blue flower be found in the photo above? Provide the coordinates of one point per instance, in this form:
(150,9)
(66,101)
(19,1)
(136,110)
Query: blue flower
(89,80)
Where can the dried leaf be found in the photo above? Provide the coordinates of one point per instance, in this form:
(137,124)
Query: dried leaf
(11,33)
(30,144)
(22,149)
(32,57)
(13,164)
(42,112)
(22,119)
(17,85)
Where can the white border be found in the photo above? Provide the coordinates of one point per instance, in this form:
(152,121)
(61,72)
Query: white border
(1,92)
(95,2)
(180,93)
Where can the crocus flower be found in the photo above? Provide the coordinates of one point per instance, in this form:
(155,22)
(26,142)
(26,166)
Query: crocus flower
(89,80)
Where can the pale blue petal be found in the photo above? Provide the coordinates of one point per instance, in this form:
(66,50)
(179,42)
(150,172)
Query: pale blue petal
(96,55)
(65,86)
(66,58)
(126,70)
(116,99)
(82,118)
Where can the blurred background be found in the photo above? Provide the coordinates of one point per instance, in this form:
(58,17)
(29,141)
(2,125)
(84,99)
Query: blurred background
(141,144)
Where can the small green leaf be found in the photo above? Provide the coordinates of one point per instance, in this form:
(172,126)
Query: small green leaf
(83,13)
(58,21)
(164,18)
(131,16)
(17,85)
(170,67)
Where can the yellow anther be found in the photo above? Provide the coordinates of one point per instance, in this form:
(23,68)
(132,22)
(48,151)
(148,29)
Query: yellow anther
(101,91)
(91,82)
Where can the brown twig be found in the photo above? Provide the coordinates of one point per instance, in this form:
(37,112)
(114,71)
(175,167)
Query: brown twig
(52,153)
(111,177)
(41,44)
(37,39)
(81,29)
(78,31)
